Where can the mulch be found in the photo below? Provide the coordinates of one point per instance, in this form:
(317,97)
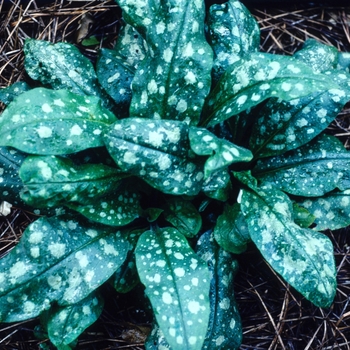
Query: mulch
(274,316)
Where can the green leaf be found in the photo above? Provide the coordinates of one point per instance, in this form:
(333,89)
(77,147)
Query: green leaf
(223,153)
(233,32)
(178,62)
(115,76)
(177,283)
(156,151)
(231,230)
(52,181)
(331,211)
(183,215)
(55,261)
(225,329)
(42,121)
(117,208)
(7,95)
(66,323)
(259,76)
(302,217)
(318,56)
(283,126)
(218,185)
(91,41)
(344,61)
(62,66)
(304,258)
(10,183)
(312,170)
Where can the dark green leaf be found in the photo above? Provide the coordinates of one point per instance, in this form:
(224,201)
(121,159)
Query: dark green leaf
(344,61)
(42,121)
(66,323)
(178,62)
(218,185)
(225,329)
(222,152)
(233,32)
(183,215)
(283,126)
(59,259)
(177,284)
(304,258)
(318,56)
(8,94)
(52,181)
(231,230)
(257,77)
(156,151)
(331,211)
(156,340)
(312,170)
(91,41)
(302,217)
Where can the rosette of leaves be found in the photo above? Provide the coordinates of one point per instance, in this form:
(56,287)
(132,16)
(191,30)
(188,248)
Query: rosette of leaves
(211,136)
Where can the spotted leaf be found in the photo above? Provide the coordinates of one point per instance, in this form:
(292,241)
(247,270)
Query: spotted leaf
(312,170)
(156,151)
(218,185)
(177,284)
(302,216)
(303,257)
(233,32)
(259,76)
(282,126)
(231,230)
(8,94)
(52,181)
(58,259)
(117,208)
(66,323)
(224,329)
(344,61)
(42,121)
(62,66)
(115,76)
(184,216)
(178,62)
(156,340)
(331,211)
(318,56)
(222,152)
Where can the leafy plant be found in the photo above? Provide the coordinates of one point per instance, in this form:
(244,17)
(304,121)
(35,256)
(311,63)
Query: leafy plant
(160,182)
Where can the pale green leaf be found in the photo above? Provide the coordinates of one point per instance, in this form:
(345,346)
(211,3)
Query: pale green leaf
(259,76)
(178,62)
(312,170)
(177,283)
(157,152)
(8,94)
(223,153)
(55,262)
(224,329)
(344,61)
(42,121)
(303,257)
(231,230)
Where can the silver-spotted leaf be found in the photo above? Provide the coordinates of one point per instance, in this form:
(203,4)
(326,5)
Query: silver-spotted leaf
(231,230)
(156,340)
(258,76)
(117,208)
(218,185)
(282,126)
(48,122)
(178,62)
(233,32)
(62,66)
(8,94)
(58,259)
(303,257)
(184,216)
(177,283)
(222,152)
(66,323)
(310,171)
(156,151)
(344,61)
(52,181)
(331,211)
(224,329)
(318,56)
(302,216)
(115,76)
